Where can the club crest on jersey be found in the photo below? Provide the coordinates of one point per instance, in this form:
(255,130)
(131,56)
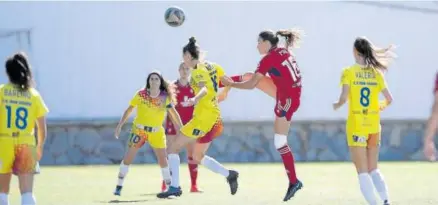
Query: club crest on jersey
(197,132)
(360,139)
(199,76)
(274,72)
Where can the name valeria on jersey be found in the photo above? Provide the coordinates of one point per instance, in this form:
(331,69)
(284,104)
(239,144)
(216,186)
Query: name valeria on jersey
(366,75)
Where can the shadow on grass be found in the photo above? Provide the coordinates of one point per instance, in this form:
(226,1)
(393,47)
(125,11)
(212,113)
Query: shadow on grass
(116,201)
(126,201)
(149,194)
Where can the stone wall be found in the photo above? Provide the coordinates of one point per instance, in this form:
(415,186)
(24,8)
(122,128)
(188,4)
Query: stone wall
(72,143)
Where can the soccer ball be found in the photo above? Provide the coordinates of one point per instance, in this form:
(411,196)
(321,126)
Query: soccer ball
(174,16)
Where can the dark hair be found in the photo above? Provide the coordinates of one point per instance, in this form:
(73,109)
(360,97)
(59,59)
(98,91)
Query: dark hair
(374,57)
(165,86)
(292,36)
(193,48)
(18,70)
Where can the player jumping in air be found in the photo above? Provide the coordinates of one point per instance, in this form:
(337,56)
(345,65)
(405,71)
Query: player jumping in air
(151,102)
(284,84)
(206,122)
(21,107)
(185,111)
(361,85)
(429,134)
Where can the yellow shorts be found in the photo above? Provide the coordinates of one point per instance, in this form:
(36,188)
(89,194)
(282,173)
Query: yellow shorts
(200,124)
(139,137)
(362,138)
(17,158)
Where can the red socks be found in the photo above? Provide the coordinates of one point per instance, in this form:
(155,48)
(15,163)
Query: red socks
(289,163)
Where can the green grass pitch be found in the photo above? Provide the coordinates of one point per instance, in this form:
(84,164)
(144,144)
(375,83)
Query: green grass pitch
(410,183)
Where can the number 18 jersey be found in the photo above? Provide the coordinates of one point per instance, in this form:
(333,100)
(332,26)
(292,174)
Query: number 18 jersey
(19,111)
(365,86)
(209,74)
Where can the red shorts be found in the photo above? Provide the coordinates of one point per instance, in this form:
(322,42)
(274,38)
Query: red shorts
(287,103)
(216,131)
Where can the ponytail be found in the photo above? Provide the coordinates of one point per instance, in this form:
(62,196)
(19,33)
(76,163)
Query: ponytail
(293,36)
(374,57)
(18,71)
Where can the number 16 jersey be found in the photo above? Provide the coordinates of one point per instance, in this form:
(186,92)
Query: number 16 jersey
(19,111)
(365,86)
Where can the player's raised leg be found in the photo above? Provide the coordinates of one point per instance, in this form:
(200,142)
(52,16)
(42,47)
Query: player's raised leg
(373,169)
(135,142)
(265,84)
(199,155)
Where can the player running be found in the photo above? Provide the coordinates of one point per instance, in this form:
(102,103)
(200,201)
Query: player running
(361,85)
(151,102)
(21,107)
(429,144)
(185,111)
(285,75)
(206,123)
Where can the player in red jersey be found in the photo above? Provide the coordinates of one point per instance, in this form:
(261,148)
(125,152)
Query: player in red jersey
(429,144)
(185,111)
(282,68)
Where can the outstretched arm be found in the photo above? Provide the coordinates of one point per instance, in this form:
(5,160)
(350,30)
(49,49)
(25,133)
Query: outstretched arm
(174,116)
(388,99)
(342,97)
(202,92)
(122,121)
(248,84)
(265,84)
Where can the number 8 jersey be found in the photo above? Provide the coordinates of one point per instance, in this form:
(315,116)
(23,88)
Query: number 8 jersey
(209,74)
(365,86)
(19,111)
